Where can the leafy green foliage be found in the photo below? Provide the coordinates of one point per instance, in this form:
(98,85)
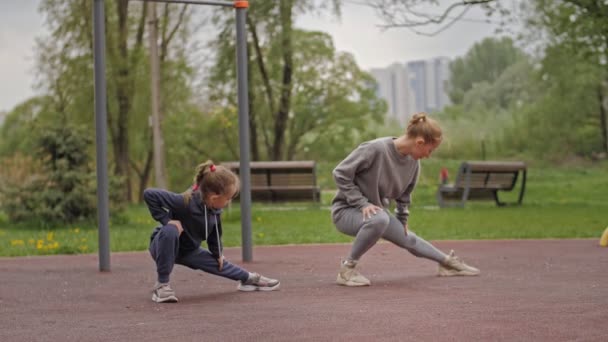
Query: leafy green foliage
(304,94)
(16,131)
(484,62)
(63,188)
(559,203)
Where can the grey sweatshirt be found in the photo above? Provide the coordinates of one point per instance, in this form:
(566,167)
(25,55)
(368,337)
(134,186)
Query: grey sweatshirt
(375,173)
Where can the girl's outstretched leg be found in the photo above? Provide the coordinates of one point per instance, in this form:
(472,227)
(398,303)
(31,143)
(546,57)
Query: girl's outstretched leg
(203,260)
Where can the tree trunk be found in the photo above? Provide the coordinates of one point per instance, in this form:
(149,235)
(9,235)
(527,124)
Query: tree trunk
(285,102)
(145,175)
(123,96)
(265,78)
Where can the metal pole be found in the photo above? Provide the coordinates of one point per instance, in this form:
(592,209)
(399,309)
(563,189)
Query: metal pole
(103,214)
(157,136)
(194,2)
(244,169)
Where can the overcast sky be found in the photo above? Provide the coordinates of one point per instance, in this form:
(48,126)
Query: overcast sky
(357,32)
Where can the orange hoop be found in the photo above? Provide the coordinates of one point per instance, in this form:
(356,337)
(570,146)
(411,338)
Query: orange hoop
(241,4)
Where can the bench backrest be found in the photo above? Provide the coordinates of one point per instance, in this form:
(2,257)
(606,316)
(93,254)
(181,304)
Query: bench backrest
(488,175)
(280,173)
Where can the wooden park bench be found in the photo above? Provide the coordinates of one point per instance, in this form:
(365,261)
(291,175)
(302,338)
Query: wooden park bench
(282,180)
(482,180)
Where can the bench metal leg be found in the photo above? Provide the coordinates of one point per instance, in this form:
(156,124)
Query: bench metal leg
(523,187)
(498,202)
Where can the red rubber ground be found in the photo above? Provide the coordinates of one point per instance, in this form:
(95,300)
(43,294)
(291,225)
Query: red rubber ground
(530,290)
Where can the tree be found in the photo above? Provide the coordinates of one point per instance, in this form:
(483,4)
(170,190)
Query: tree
(329,91)
(580,27)
(16,131)
(299,86)
(484,62)
(270,25)
(63,190)
(65,64)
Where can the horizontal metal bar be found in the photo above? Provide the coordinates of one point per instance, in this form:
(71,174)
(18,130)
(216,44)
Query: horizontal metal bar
(194,2)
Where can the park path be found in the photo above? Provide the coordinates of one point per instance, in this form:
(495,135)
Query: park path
(530,290)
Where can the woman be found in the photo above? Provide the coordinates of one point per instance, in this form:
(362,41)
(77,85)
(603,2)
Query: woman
(376,172)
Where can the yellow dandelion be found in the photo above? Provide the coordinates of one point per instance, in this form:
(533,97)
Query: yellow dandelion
(49,236)
(17,243)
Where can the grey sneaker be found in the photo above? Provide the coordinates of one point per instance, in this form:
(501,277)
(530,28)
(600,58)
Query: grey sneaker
(257,282)
(454,266)
(349,276)
(163,293)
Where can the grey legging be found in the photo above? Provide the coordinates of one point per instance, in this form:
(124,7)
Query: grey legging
(381,225)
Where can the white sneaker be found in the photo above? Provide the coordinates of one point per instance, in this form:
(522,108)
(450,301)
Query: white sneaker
(349,276)
(454,266)
(257,282)
(163,293)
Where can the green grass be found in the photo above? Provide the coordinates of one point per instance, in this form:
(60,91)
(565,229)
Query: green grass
(559,203)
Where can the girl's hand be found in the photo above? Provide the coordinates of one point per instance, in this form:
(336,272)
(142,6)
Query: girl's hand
(178,225)
(405,229)
(220,262)
(370,211)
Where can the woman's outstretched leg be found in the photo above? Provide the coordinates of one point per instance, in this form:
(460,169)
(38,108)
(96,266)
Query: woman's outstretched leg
(449,264)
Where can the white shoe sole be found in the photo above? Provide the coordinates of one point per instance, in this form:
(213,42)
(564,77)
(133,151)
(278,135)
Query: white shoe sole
(170,299)
(251,288)
(344,282)
(455,273)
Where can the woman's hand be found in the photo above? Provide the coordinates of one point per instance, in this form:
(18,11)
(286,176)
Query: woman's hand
(370,211)
(405,229)
(177,225)
(220,262)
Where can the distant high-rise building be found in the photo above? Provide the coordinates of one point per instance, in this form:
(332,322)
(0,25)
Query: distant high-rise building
(429,80)
(417,72)
(393,87)
(418,86)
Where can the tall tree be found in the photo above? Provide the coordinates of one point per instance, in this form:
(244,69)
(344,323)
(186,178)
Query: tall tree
(581,27)
(484,62)
(66,73)
(271,31)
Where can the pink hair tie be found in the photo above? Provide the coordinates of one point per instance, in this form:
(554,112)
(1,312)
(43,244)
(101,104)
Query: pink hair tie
(195,187)
(212,168)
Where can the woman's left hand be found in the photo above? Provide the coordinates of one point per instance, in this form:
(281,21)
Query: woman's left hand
(220,262)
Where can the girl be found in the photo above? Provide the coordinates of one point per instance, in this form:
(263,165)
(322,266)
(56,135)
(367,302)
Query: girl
(376,172)
(189,218)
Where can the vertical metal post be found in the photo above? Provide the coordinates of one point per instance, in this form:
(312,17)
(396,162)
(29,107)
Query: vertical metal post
(103,214)
(243,99)
(157,136)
